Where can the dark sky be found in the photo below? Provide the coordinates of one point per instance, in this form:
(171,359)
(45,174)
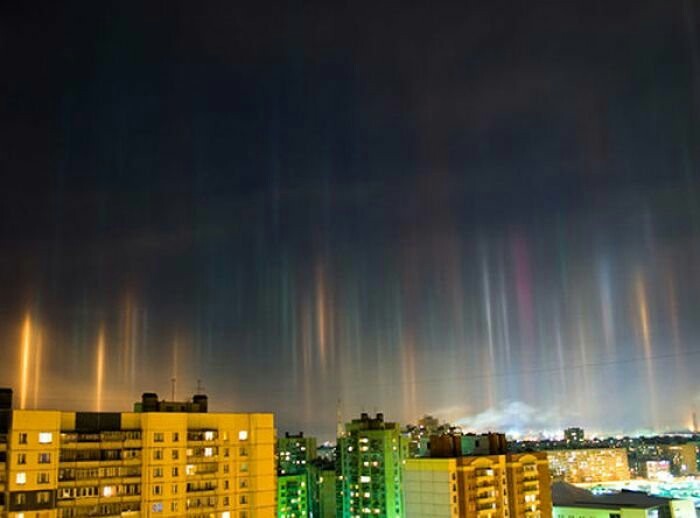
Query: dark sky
(489,213)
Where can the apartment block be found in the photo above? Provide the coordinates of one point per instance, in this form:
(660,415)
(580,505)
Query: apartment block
(589,465)
(369,466)
(486,486)
(151,463)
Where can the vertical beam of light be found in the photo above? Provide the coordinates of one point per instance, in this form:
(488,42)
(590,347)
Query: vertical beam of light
(408,373)
(584,392)
(505,323)
(522,272)
(606,306)
(559,341)
(306,329)
(99,369)
(174,367)
(26,346)
(321,319)
(644,328)
(37,367)
(643,312)
(486,288)
(126,340)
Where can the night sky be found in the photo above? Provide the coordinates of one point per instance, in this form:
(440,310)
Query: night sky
(488,213)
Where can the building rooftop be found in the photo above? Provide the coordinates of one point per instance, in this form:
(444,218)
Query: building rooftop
(567,495)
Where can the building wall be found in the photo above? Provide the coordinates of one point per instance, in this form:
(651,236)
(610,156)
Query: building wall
(327,494)
(529,485)
(482,486)
(430,488)
(589,465)
(154,463)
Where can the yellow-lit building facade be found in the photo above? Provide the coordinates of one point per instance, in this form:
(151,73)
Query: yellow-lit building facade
(151,464)
(485,486)
(589,465)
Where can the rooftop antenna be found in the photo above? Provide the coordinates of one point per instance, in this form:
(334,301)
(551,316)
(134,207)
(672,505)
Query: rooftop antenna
(172,389)
(200,387)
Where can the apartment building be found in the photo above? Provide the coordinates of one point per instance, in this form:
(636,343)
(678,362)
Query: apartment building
(160,461)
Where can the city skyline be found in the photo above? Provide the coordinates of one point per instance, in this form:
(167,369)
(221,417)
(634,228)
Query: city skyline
(488,216)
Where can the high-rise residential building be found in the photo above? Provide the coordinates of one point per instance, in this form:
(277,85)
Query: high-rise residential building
(491,484)
(295,453)
(151,463)
(589,465)
(297,480)
(369,464)
(573,436)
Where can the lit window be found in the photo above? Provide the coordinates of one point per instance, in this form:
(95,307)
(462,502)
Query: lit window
(45,437)
(208,436)
(243,435)
(226,514)
(21,478)
(189,469)
(208,452)
(107,491)
(365,479)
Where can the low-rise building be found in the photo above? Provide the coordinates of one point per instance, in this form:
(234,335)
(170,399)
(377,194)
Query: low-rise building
(571,501)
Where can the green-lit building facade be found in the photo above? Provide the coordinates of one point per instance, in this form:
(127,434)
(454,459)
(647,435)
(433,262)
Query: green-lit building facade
(369,468)
(297,477)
